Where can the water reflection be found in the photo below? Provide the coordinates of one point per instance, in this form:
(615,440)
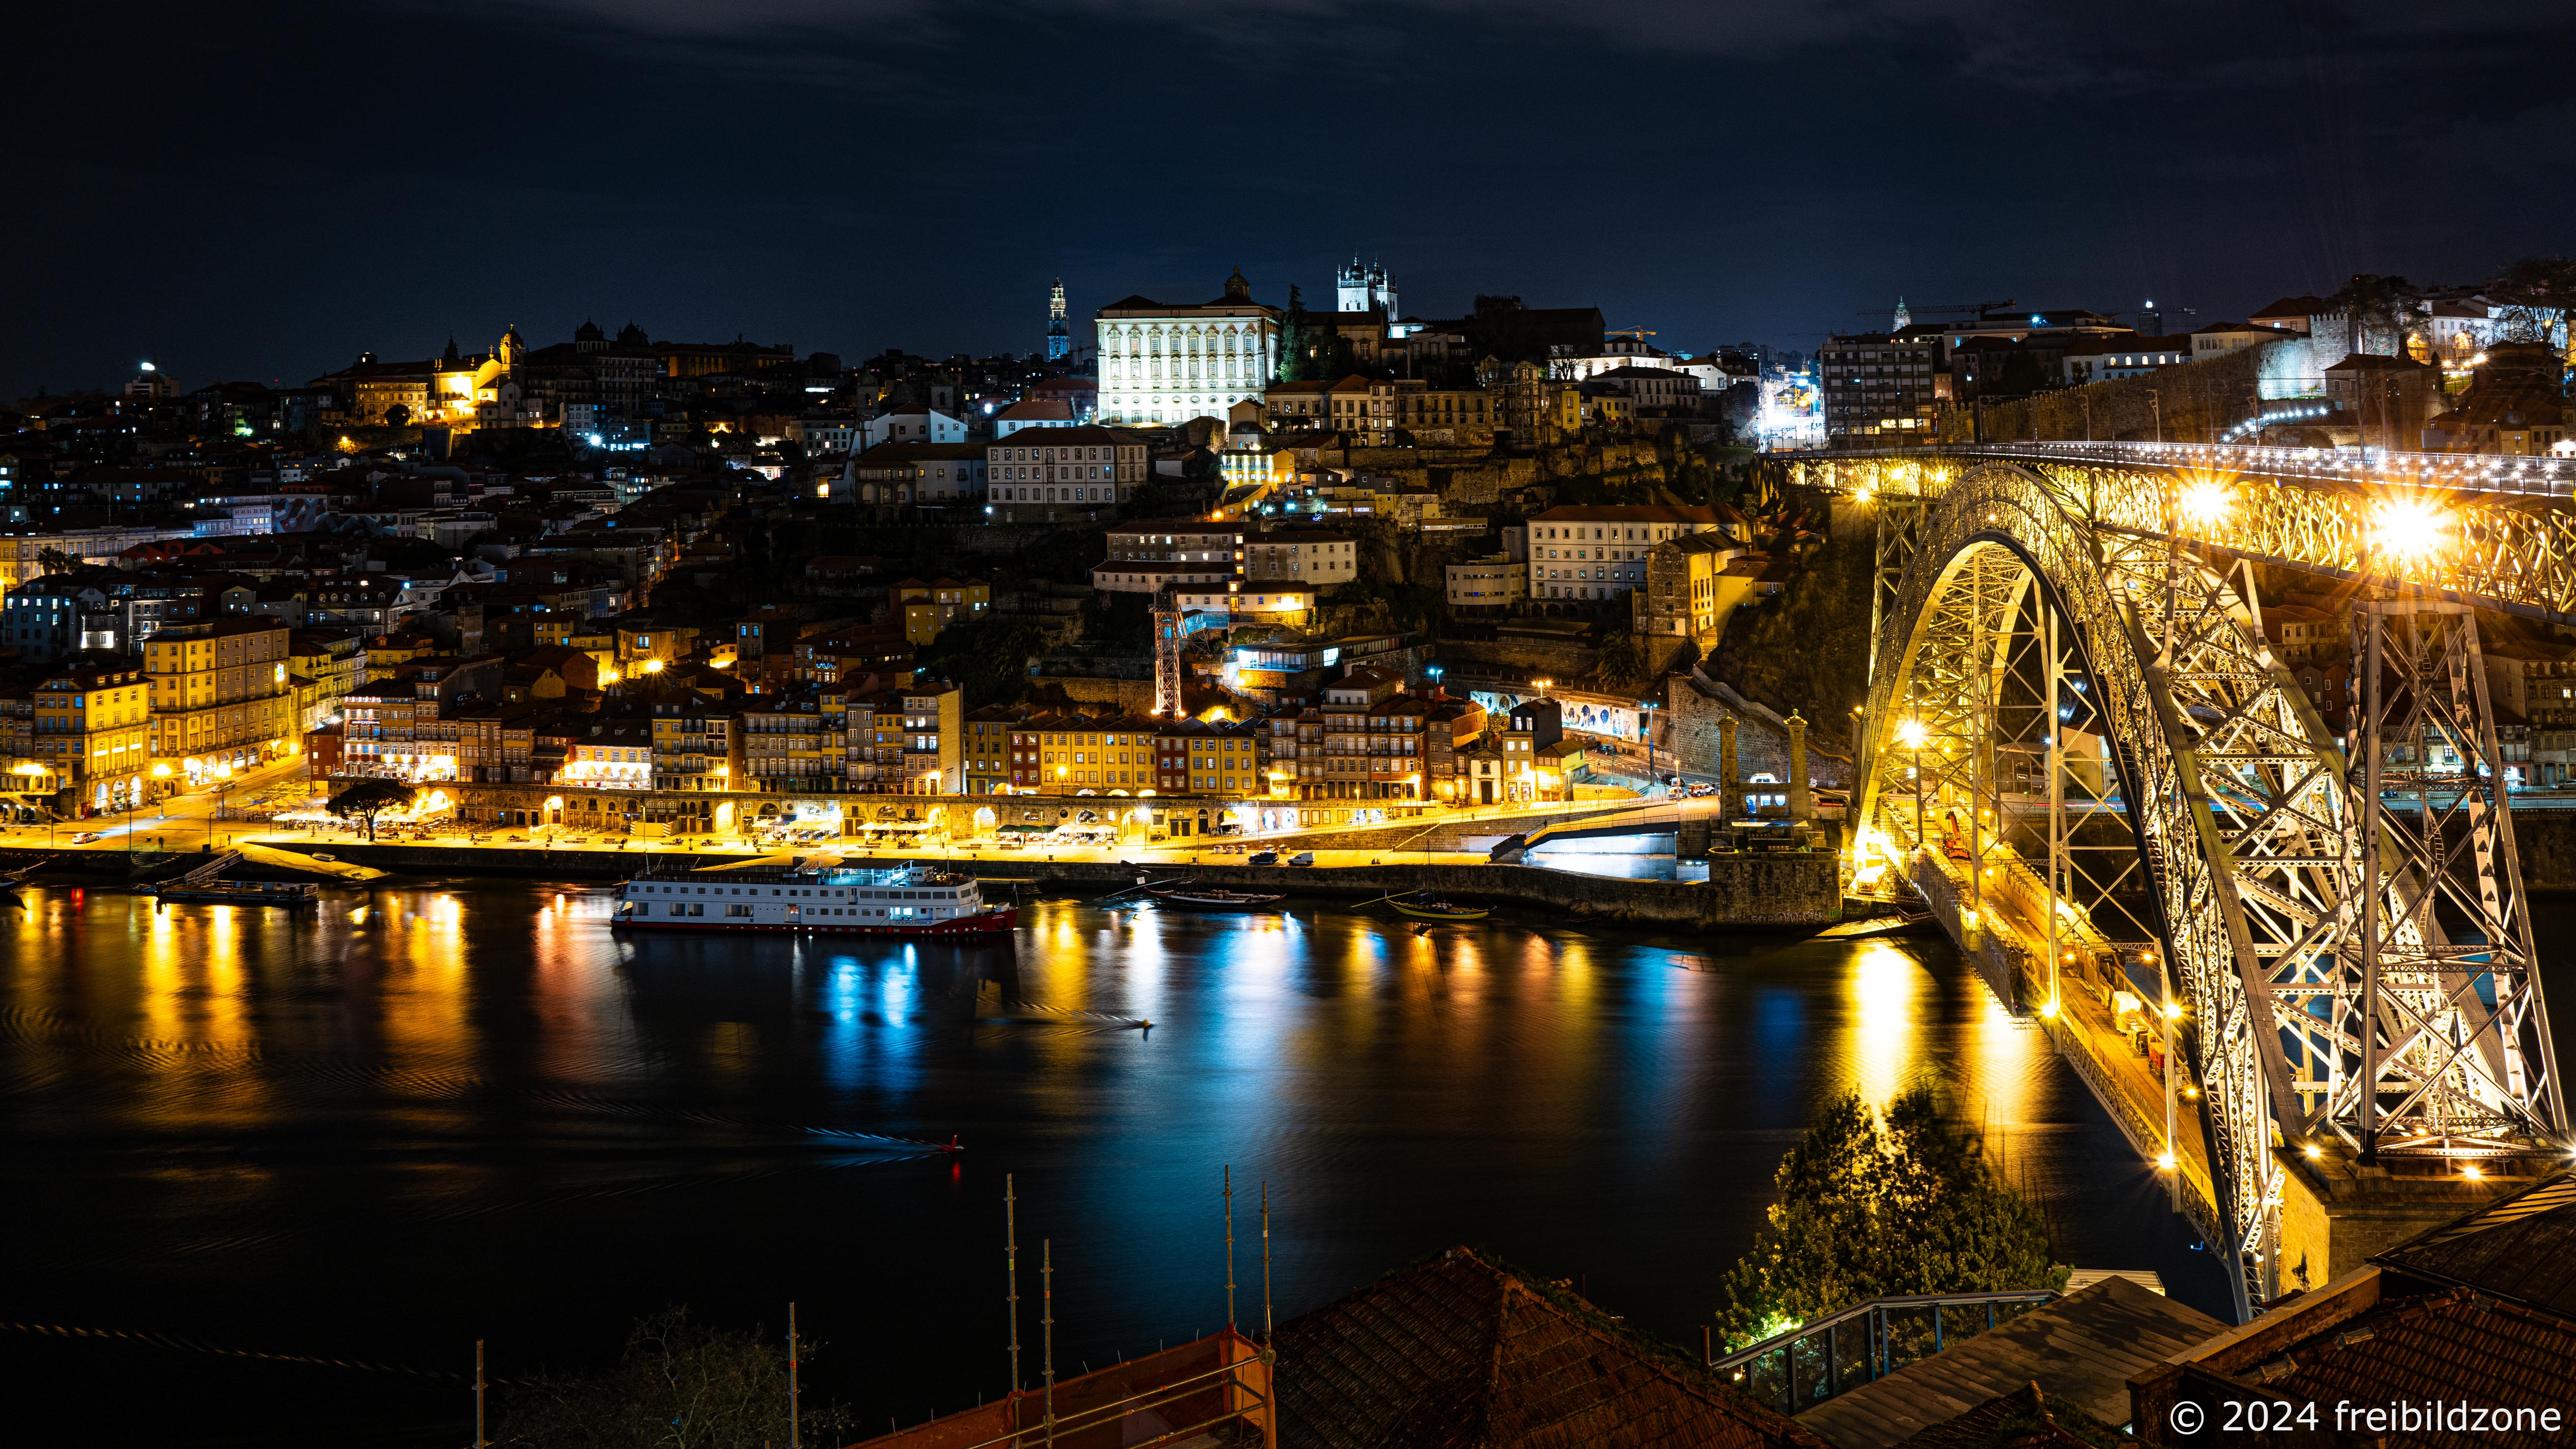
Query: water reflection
(428,1111)
(1888,988)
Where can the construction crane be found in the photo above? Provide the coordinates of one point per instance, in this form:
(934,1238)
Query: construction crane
(1980,308)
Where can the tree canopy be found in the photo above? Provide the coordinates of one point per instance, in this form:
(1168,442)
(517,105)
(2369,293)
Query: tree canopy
(1879,1203)
(679,1384)
(365,799)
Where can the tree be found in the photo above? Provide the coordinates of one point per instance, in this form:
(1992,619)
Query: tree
(1873,1204)
(398,416)
(988,659)
(1293,339)
(2377,311)
(679,1385)
(2539,294)
(56,561)
(365,799)
(1623,664)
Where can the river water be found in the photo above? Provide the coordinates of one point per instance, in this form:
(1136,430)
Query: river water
(426,1116)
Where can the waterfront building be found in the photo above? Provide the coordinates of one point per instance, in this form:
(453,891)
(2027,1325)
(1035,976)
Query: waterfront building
(222,697)
(1168,363)
(794,743)
(91,731)
(697,746)
(987,748)
(933,734)
(1371,739)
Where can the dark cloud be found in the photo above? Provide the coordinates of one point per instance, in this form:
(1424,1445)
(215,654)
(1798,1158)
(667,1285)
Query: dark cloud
(266,192)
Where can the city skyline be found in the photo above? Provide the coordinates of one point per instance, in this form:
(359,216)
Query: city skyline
(210,204)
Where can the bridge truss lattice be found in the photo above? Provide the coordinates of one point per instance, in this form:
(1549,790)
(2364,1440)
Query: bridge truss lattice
(2059,643)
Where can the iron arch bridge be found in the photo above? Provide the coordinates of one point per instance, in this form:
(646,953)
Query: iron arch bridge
(2078,739)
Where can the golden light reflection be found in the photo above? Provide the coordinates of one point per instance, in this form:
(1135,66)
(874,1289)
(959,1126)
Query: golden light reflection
(1886,989)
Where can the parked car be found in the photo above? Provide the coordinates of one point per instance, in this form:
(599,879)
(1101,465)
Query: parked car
(1267,857)
(1303,857)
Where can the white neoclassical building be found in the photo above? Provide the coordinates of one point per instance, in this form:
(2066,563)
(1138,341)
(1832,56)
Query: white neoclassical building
(1167,363)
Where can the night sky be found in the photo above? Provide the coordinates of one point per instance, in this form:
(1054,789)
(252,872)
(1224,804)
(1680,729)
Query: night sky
(261,191)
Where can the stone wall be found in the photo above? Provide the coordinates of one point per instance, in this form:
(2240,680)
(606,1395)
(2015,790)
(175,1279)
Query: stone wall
(2193,402)
(1698,705)
(1772,889)
(1523,657)
(1785,889)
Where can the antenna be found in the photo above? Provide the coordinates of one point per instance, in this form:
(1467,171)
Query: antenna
(1046,1319)
(1011,1266)
(1265,1262)
(1229,1247)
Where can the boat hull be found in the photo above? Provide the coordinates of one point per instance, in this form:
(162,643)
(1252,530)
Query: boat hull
(1420,914)
(991,923)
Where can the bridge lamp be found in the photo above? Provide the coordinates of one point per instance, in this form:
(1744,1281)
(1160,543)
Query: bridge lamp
(2206,502)
(2406,528)
(2165,1162)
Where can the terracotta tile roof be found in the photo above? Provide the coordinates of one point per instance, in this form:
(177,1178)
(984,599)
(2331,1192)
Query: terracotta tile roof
(2027,1418)
(2081,1349)
(2523,1248)
(1459,1352)
(2456,1346)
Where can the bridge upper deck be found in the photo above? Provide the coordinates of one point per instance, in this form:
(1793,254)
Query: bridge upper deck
(2551,477)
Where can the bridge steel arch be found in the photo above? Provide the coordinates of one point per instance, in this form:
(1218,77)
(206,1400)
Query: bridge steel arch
(2246,825)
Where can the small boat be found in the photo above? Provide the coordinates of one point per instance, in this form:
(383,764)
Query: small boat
(1440,910)
(1219,900)
(288,895)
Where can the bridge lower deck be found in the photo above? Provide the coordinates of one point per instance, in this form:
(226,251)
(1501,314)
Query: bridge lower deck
(2011,955)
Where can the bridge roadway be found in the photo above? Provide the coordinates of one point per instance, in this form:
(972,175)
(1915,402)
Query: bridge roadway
(2462,472)
(2011,955)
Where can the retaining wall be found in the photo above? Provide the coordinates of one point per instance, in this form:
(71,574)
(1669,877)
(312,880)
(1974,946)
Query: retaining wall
(1784,889)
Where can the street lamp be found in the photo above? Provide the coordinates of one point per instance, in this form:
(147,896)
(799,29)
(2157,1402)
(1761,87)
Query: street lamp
(1646,727)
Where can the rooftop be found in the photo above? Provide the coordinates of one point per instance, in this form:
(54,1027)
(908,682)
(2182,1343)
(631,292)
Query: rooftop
(1460,1352)
(2082,1348)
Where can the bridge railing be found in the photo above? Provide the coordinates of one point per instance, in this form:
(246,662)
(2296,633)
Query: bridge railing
(2553,477)
(1799,1369)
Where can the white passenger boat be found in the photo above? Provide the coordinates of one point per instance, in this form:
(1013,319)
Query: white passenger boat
(816,896)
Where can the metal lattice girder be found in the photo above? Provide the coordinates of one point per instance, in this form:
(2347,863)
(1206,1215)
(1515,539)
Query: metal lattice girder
(2497,550)
(2417,1028)
(2457,1060)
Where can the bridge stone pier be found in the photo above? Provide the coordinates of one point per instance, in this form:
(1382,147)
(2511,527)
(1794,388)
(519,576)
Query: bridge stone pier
(2295,964)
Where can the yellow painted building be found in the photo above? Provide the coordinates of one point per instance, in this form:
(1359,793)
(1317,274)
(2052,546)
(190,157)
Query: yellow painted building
(93,728)
(221,696)
(933,606)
